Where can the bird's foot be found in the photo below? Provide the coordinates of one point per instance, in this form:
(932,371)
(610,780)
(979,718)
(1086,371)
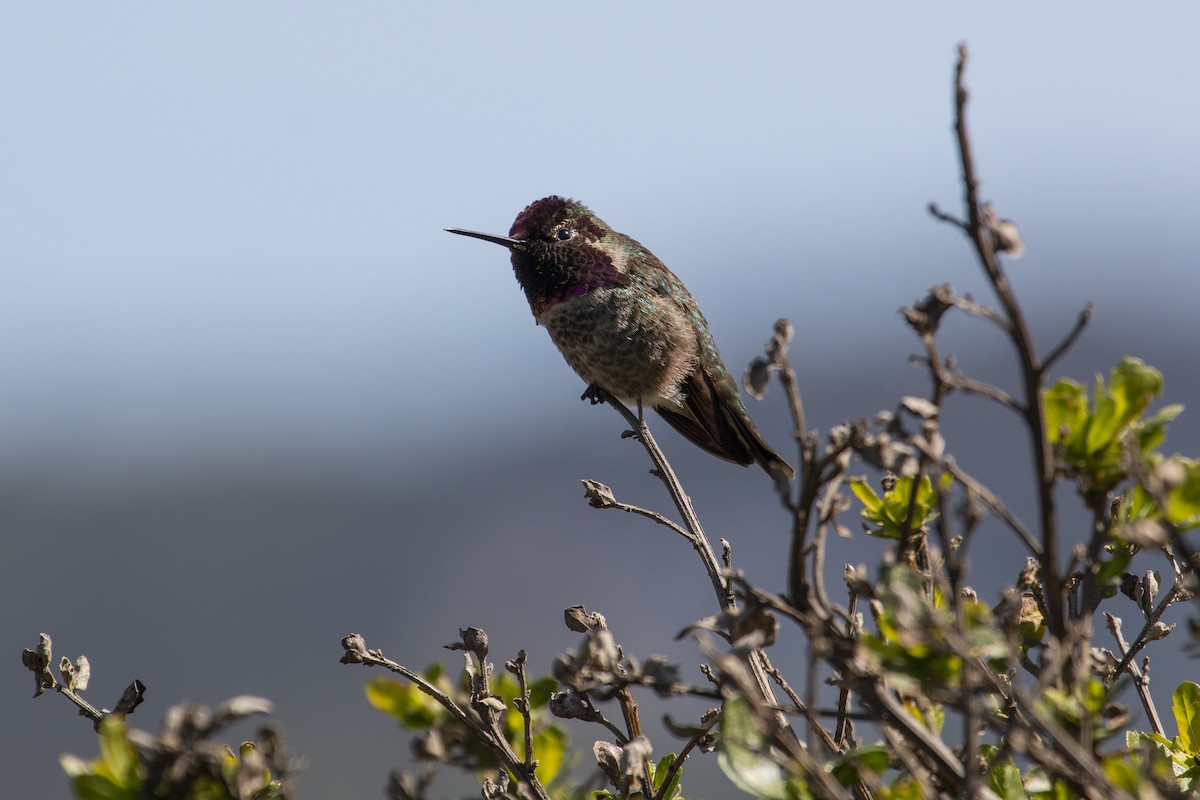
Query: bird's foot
(594,394)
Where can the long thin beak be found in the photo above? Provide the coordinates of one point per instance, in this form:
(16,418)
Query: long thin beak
(503,241)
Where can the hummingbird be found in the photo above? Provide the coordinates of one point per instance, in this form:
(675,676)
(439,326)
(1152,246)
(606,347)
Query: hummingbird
(629,327)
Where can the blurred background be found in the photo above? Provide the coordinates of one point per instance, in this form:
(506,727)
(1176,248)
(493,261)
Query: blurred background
(255,399)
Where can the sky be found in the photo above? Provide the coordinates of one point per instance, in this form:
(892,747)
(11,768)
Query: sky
(255,398)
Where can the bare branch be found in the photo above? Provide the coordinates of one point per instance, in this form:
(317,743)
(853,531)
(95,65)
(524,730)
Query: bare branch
(600,496)
(1147,634)
(937,213)
(985,495)
(1069,340)
(698,538)
(356,652)
(1141,682)
(1031,368)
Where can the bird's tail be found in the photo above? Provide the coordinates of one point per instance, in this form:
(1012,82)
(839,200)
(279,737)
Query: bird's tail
(723,427)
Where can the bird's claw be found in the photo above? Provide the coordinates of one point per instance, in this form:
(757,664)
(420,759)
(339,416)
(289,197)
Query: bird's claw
(594,394)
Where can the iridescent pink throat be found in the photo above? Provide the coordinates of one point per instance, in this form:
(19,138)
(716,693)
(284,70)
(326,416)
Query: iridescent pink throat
(578,290)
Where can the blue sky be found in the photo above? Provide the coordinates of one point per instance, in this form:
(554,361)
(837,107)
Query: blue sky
(240,352)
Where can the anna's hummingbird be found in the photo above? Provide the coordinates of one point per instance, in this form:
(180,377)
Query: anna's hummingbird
(628,326)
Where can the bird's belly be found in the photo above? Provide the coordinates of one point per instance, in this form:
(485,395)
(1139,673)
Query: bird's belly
(633,348)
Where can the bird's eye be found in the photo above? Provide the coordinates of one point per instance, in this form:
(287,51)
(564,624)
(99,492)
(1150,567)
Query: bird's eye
(564,233)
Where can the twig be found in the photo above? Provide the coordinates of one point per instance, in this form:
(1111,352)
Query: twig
(600,496)
(1141,683)
(629,710)
(962,383)
(75,676)
(937,213)
(356,652)
(1085,316)
(517,667)
(820,781)
(994,503)
(1085,770)
(976,310)
(86,709)
(1143,637)
(842,729)
(686,750)
(803,708)
(699,540)
(1032,370)
(682,502)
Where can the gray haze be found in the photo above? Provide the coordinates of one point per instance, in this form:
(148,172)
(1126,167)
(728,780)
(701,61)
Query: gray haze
(255,399)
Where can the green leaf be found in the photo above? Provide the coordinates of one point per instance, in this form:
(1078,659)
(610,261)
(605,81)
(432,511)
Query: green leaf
(797,788)
(1185,702)
(118,758)
(1065,405)
(1133,387)
(1111,569)
(115,775)
(911,645)
(866,495)
(874,759)
(661,771)
(1182,496)
(1005,780)
(95,787)
(540,691)
(1100,429)
(931,715)
(904,788)
(741,753)
(505,687)
(1089,436)
(414,709)
(1153,430)
(886,516)
(550,750)
(1183,501)
(1122,772)
(1003,776)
